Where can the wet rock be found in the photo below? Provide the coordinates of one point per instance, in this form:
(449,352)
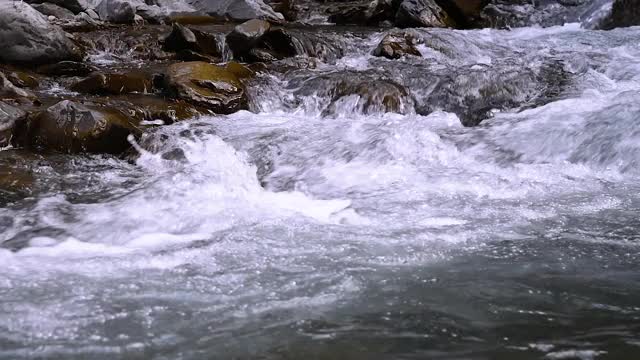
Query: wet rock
(116,83)
(72,127)
(245,36)
(152,109)
(67,68)
(240,71)
(190,55)
(279,44)
(286,7)
(17,179)
(82,22)
(422,13)
(27,37)
(623,13)
(397,45)
(9,90)
(592,14)
(54,10)
(22,79)
(75,6)
(362,92)
(238,9)
(182,38)
(464,12)
(369,13)
(116,11)
(207,85)
(9,116)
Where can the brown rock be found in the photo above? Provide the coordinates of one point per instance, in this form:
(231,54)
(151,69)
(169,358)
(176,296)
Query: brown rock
(397,45)
(72,127)
(67,68)
(9,118)
(207,85)
(99,83)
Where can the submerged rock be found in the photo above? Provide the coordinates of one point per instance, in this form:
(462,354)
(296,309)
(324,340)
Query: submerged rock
(351,91)
(115,83)
(422,13)
(278,44)
(238,9)
(9,116)
(210,86)
(71,127)
(27,37)
(593,14)
(397,45)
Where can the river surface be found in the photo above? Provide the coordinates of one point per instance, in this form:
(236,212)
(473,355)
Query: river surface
(318,228)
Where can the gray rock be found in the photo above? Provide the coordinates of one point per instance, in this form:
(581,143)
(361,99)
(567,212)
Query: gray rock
(592,14)
(26,37)
(623,13)
(238,9)
(182,38)
(422,13)
(245,36)
(9,117)
(54,10)
(116,11)
(9,90)
(75,6)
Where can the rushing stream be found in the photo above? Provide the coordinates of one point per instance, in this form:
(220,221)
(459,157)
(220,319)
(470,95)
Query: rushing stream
(319,227)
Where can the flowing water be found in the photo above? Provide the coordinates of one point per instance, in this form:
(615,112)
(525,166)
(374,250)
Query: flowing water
(319,227)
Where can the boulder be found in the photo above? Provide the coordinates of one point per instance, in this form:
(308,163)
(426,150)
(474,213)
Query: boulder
(27,37)
(9,90)
(116,83)
(370,13)
(116,11)
(592,14)
(238,9)
(9,117)
(54,10)
(75,6)
(207,85)
(397,45)
(245,36)
(278,44)
(17,181)
(72,127)
(363,92)
(422,13)
(464,12)
(623,13)
(182,38)
(151,108)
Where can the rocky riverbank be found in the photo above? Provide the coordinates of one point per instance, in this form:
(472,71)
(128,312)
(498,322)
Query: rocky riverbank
(86,76)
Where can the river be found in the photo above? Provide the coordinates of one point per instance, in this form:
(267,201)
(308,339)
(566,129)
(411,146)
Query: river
(318,227)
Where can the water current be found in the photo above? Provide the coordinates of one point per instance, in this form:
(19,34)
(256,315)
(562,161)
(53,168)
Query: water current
(318,227)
